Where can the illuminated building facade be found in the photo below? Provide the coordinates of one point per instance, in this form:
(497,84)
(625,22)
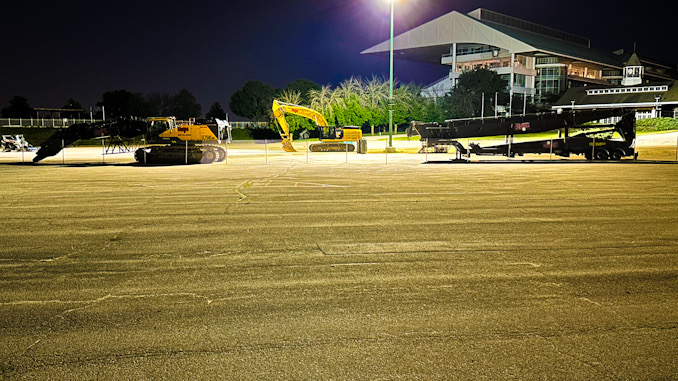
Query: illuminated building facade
(538,62)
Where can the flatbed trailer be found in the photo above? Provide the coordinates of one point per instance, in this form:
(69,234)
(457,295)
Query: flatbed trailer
(440,138)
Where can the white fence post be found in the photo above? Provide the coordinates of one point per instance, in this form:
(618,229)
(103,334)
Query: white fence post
(426,150)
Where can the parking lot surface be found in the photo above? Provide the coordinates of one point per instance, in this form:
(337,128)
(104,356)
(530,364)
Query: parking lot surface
(358,268)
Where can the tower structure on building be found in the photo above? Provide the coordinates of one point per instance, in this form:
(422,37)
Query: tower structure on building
(633,71)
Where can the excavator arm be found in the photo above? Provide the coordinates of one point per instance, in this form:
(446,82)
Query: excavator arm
(279,110)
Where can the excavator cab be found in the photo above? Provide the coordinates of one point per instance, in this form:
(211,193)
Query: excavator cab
(158,125)
(331,132)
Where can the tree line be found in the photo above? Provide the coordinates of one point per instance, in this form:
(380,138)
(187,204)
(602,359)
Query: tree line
(364,101)
(356,101)
(116,103)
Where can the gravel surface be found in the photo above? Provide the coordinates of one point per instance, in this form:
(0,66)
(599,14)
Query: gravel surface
(271,268)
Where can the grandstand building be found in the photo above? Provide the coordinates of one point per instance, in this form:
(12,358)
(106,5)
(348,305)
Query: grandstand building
(539,62)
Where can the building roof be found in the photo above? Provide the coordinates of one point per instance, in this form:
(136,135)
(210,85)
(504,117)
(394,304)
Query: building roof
(582,99)
(428,42)
(559,47)
(633,60)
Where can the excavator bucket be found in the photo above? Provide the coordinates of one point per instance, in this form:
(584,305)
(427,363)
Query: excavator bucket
(287,145)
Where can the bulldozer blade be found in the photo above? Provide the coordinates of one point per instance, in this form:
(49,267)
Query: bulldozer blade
(287,146)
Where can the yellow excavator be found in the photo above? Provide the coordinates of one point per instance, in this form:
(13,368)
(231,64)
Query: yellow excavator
(332,138)
(182,142)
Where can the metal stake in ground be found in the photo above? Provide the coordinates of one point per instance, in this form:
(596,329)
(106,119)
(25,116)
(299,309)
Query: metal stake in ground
(103,152)
(63,153)
(550,149)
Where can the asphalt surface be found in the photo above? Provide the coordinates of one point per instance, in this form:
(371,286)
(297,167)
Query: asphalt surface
(358,270)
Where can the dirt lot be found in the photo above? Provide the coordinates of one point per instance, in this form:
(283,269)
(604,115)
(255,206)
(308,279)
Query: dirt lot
(348,267)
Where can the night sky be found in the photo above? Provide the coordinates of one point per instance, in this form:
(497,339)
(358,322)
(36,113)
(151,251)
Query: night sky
(78,49)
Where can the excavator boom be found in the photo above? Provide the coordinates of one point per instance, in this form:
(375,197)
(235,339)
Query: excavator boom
(332,139)
(279,110)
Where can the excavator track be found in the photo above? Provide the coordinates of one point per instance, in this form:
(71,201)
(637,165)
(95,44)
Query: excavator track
(180,154)
(212,154)
(331,147)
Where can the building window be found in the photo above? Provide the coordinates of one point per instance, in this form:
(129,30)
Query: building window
(550,81)
(646,89)
(640,115)
(519,80)
(611,73)
(547,60)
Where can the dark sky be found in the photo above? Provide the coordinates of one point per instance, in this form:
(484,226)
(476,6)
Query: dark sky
(78,49)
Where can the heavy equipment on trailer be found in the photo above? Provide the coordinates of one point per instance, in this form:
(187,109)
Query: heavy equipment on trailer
(14,143)
(169,141)
(173,142)
(593,141)
(592,144)
(332,138)
(122,128)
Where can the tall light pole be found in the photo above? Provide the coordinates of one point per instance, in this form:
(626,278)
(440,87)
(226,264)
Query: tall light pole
(390,86)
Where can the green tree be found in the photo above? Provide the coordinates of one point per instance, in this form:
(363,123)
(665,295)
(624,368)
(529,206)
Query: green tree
(124,103)
(295,122)
(185,106)
(253,101)
(303,87)
(72,104)
(18,108)
(481,80)
(324,101)
(465,99)
(216,112)
(361,102)
(160,103)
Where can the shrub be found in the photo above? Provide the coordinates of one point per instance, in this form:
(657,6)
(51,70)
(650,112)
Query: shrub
(657,124)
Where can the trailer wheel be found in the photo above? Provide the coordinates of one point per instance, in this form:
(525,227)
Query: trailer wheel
(602,155)
(617,154)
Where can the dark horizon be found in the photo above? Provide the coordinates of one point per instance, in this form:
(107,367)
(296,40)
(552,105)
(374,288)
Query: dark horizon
(54,53)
